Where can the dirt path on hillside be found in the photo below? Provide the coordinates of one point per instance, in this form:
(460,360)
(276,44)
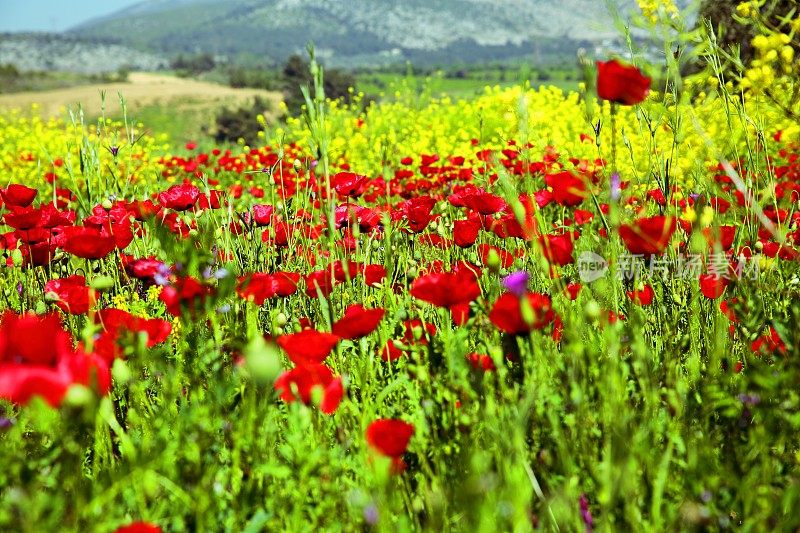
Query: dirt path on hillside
(142,89)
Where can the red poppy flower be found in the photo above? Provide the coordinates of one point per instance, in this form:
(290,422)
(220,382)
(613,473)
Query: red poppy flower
(465,232)
(557,249)
(414,330)
(37,359)
(713,286)
(374,274)
(390,437)
(260,286)
(308,346)
(22,218)
(391,352)
(623,84)
(115,321)
(568,189)
(349,184)
(306,377)
(453,290)
(481,362)
(263,215)
(358,322)
(18,195)
(72,294)
(320,282)
(144,269)
(139,527)
(215,199)
(417,212)
(185,293)
(88,242)
(769,343)
(642,297)
(179,197)
(485,251)
(507,313)
(648,236)
(483,202)
(573,289)
(725,237)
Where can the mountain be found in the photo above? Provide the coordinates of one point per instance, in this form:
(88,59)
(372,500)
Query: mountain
(39,52)
(352,32)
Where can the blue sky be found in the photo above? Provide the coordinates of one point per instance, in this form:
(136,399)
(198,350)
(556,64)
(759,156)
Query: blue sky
(53,15)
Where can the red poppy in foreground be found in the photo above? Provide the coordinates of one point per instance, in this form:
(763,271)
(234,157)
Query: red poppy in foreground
(260,286)
(304,379)
(186,293)
(713,286)
(568,189)
(643,296)
(37,359)
(308,346)
(116,322)
(622,84)
(391,352)
(139,527)
(179,197)
(557,249)
(390,438)
(465,232)
(453,290)
(648,236)
(88,242)
(18,195)
(358,322)
(70,294)
(518,316)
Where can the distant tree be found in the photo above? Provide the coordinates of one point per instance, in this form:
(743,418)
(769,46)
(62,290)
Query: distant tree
(193,65)
(241,123)
(297,73)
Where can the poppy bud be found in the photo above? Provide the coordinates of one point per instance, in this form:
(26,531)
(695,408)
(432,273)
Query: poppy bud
(51,297)
(102,283)
(262,360)
(281,320)
(120,372)
(592,309)
(297,164)
(107,205)
(493,260)
(16,257)
(78,396)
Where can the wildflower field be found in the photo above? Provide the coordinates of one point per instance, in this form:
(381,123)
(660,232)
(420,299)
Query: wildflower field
(529,310)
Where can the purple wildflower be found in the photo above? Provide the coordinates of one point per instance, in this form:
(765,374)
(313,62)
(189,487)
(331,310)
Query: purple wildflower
(749,399)
(586,514)
(371,514)
(517,283)
(616,186)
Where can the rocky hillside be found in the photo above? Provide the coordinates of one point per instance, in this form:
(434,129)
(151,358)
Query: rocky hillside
(51,52)
(360,30)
